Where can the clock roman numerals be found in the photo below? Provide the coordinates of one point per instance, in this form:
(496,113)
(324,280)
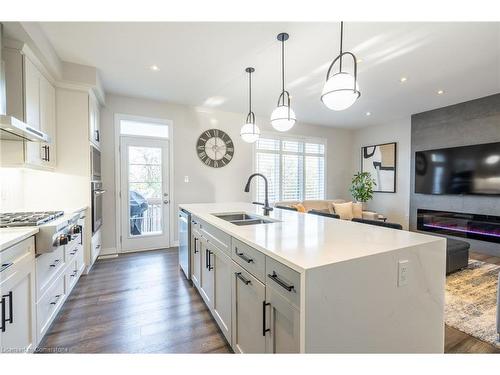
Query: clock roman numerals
(215,148)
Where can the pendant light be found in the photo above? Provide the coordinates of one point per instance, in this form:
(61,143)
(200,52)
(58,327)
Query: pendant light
(250,132)
(283,117)
(341,89)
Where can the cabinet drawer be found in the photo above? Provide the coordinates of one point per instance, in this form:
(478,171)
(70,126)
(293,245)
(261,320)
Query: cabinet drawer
(48,266)
(249,258)
(71,275)
(48,306)
(72,247)
(15,255)
(96,246)
(212,234)
(283,280)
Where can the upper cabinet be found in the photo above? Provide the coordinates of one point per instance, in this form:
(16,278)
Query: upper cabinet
(94,121)
(30,98)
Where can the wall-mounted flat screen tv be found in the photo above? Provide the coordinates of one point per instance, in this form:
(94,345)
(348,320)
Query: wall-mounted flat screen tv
(459,170)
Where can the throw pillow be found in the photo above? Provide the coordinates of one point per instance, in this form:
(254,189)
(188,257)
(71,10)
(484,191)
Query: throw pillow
(300,207)
(357,210)
(344,210)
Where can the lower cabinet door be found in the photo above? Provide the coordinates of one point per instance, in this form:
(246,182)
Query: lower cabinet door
(206,274)
(222,290)
(283,324)
(18,308)
(248,304)
(196,246)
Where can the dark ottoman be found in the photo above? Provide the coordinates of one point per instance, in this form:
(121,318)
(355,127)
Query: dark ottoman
(457,255)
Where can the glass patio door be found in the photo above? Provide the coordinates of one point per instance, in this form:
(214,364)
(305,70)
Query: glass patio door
(145,200)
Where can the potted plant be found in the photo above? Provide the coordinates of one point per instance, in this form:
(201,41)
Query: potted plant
(362,187)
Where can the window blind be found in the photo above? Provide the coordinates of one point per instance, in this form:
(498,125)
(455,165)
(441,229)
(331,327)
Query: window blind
(295,168)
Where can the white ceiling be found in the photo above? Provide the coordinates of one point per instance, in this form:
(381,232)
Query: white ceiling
(202,64)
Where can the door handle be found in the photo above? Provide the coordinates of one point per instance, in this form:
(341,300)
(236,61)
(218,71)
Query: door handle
(195,251)
(240,276)
(11,310)
(280,282)
(210,267)
(264,329)
(243,256)
(166,201)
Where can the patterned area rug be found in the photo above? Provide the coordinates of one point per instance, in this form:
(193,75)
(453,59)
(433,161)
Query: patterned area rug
(471,301)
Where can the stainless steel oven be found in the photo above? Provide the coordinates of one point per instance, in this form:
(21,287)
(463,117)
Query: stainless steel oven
(97,195)
(95,163)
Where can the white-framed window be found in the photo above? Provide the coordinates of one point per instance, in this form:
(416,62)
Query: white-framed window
(294,166)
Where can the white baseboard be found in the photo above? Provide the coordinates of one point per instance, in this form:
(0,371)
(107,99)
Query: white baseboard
(175,244)
(108,251)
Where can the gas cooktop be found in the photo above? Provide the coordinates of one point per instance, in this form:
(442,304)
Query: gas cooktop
(27,219)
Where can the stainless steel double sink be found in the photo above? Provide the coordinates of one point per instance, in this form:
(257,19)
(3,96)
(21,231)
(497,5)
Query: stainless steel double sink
(242,218)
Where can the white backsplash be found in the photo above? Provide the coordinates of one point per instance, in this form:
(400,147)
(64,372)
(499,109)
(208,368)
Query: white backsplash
(11,189)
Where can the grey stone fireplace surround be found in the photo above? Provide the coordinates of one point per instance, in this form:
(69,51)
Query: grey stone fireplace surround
(473,122)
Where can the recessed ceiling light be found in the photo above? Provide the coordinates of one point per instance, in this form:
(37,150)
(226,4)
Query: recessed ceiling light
(368,113)
(440,92)
(403,79)
(154,68)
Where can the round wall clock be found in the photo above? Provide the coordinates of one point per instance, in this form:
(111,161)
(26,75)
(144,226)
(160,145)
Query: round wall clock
(215,148)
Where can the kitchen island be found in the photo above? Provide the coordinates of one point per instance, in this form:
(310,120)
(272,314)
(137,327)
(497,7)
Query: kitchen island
(312,284)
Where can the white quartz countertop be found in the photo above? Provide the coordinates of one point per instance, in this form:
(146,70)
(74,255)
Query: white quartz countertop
(11,236)
(305,241)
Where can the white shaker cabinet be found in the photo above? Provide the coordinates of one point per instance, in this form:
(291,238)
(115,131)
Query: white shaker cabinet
(30,98)
(94,121)
(196,246)
(206,276)
(221,301)
(17,293)
(283,324)
(248,305)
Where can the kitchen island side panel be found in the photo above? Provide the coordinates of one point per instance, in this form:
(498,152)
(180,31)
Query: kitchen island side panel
(364,311)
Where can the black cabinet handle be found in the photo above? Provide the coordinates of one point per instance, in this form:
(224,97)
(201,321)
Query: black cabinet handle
(280,282)
(2,318)
(97,135)
(264,329)
(195,251)
(55,263)
(4,266)
(210,267)
(240,276)
(56,298)
(243,256)
(206,258)
(11,310)
(48,153)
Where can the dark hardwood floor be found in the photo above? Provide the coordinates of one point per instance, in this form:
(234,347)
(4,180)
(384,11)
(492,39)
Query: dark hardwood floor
(140,303)
(135,303)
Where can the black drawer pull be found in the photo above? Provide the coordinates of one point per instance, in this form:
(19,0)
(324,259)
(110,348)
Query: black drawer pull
(56,298)
(195,251)
(264,329)
(240,276)
(210,266)
(5,266)
(2,318)
(4,314)
(74,273)
(206,258)
(243,256)
(280,282)
(55,263)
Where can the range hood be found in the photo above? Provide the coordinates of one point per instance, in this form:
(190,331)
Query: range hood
(11,128)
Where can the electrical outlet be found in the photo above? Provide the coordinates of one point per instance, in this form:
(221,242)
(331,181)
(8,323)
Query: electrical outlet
(186,178)
(403,269)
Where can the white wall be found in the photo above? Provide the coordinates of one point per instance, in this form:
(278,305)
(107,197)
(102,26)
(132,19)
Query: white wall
(209,184)
(395,207)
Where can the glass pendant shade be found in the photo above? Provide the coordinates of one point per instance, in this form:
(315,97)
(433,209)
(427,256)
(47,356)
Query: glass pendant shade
(340,91)
(250,132)
(283,118)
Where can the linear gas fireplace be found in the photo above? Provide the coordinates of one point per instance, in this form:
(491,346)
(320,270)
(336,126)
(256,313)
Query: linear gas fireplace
(478,227)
